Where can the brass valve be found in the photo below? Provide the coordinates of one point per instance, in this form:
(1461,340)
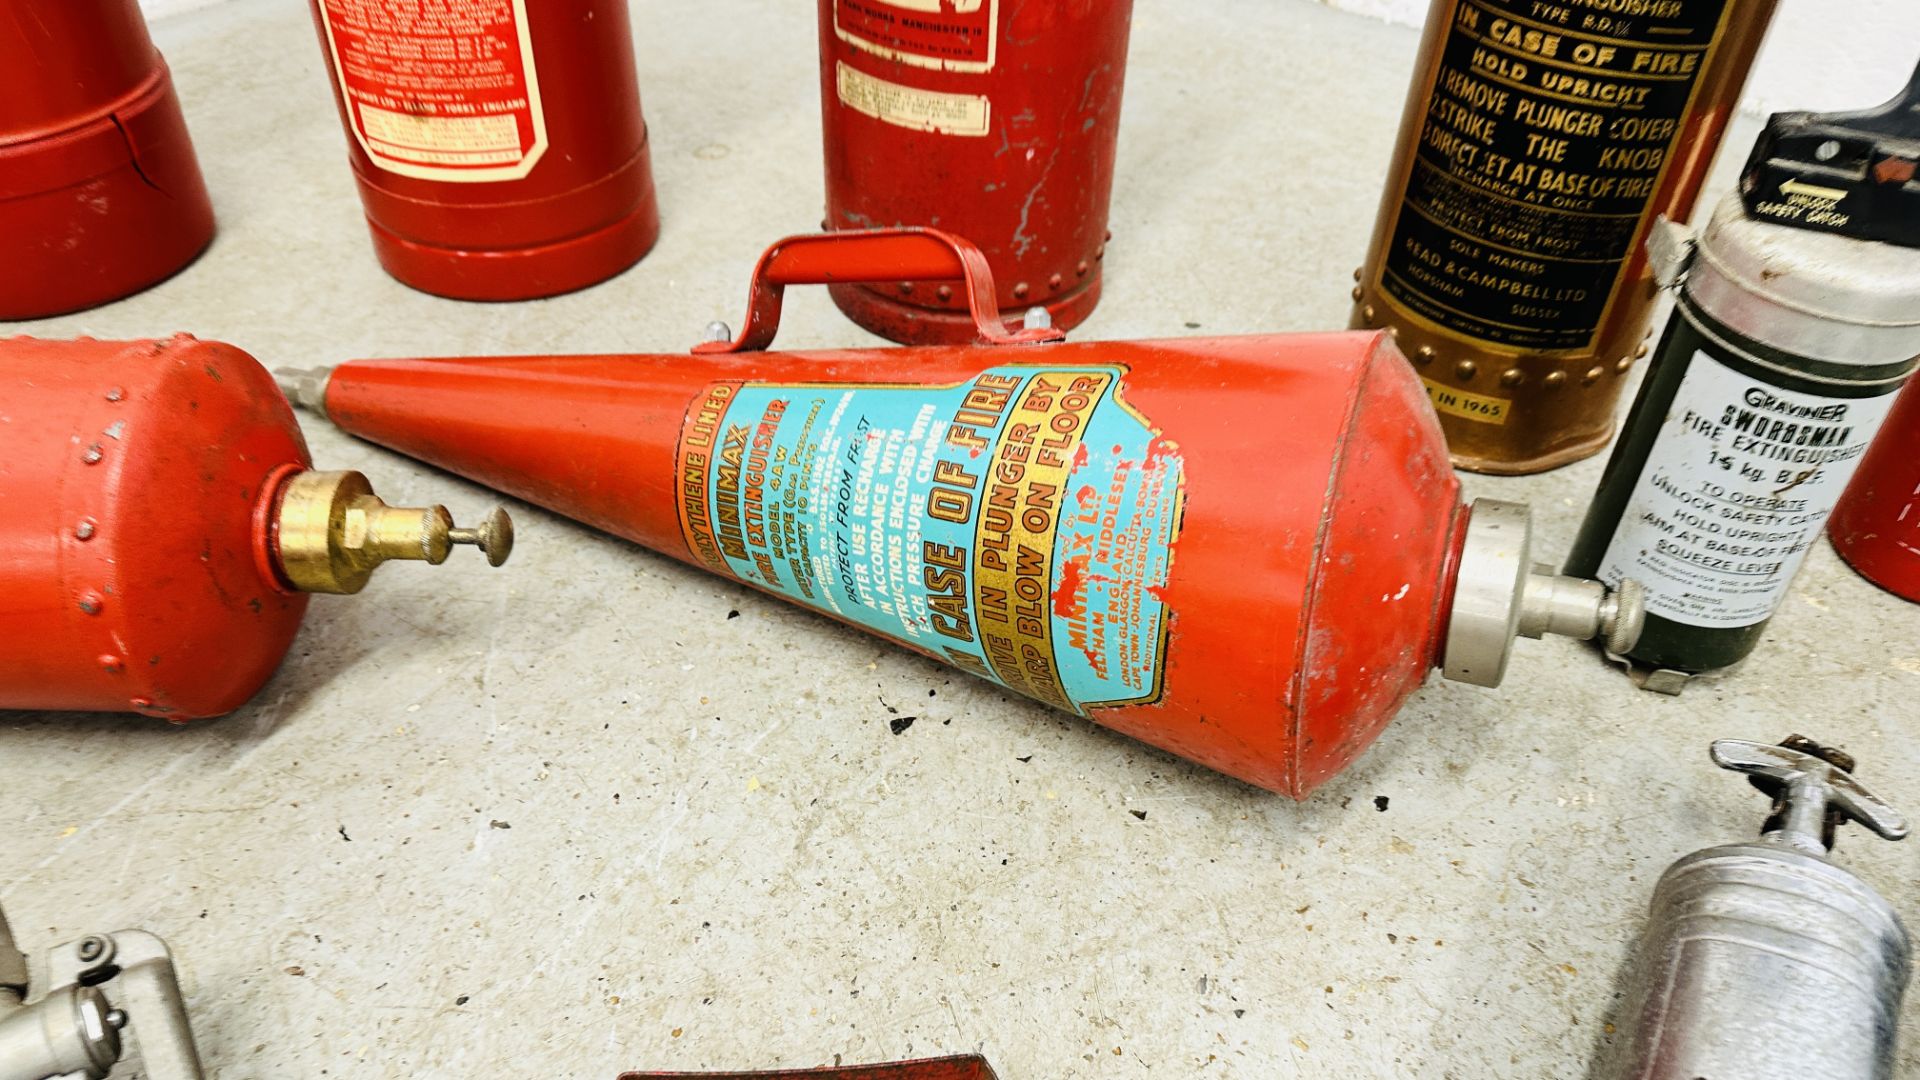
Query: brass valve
(331,532)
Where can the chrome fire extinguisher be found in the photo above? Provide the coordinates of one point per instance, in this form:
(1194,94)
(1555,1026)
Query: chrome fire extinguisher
(162,526)
(499,147)
(1766,960)
(989,119)
(1788,343)
(1171,538)
(100,193)
(1540,142)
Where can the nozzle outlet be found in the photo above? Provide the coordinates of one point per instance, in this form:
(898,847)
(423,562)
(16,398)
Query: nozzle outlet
(1500,593)
(330,532)
(306,388)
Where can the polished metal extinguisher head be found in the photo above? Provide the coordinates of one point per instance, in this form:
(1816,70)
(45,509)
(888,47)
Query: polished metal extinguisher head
(1766,960)
(1500,593)
(95,988)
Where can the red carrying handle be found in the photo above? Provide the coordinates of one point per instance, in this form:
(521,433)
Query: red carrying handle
(873,255)
(966,1067)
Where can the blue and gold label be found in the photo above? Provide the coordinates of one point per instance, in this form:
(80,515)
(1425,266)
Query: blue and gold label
(1019,525)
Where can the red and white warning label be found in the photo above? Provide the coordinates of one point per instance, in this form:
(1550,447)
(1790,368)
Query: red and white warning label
(954,35)
(439,89)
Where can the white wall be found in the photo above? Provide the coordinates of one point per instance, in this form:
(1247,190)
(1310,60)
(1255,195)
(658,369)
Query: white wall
(169,7)
(1820,54)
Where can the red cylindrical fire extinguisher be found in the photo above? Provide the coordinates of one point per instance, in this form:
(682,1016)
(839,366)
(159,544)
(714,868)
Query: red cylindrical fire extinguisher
(991,120)
(100,195)
(1876,524)
(499,146)
(1247,551)
(161,526)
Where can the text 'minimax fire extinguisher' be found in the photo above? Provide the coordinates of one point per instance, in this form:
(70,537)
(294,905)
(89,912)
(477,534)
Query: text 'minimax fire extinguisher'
(1780,363)
(1247,551)
(993,120)
(162,526)
(1539,144)
(498,144)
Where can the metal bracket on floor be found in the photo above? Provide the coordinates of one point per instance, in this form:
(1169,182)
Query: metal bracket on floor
(1666,681)
(95,987)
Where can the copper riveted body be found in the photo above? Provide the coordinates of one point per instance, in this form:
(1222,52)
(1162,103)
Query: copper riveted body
(1539,144)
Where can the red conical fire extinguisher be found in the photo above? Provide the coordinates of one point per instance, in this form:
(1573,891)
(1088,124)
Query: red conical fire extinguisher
(100,194)
(161,526)
(1247,551)
(499,146)
(991,120)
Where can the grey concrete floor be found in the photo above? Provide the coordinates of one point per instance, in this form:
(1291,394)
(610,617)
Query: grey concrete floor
(572,817)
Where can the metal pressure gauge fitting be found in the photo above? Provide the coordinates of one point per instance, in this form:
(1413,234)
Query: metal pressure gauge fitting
(331,532)
(1500,593)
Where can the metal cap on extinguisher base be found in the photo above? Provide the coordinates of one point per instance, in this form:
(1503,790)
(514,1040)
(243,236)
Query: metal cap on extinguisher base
(129,462)
(1766,960)
(1500,593)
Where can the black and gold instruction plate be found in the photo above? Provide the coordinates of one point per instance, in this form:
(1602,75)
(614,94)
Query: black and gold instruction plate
(1549,130)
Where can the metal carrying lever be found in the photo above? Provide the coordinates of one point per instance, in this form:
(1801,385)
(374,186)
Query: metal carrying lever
(1813,791)
(96,987)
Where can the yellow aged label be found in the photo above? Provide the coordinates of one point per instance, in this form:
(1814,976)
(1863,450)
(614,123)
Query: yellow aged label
(912,107)
(1467,406)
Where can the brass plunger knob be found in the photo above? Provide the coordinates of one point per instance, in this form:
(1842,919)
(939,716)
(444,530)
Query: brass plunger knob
(332,532)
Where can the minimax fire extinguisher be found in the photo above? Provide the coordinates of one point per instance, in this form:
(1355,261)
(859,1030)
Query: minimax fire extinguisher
(100,194)
(1247,551)
(1791,335)
(1539,144)
(498,146)
(991,119)
(161,527)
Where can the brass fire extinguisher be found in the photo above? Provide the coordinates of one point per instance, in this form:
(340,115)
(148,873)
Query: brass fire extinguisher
(1540,142)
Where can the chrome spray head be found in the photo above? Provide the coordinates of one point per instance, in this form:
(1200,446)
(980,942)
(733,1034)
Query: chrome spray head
(1813,792)
(1500,593)
(94,987)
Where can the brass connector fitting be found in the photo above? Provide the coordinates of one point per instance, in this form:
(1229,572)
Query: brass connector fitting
(331,532)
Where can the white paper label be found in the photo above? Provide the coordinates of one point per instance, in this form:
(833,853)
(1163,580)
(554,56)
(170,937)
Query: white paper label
(912,107)
(1737,487)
